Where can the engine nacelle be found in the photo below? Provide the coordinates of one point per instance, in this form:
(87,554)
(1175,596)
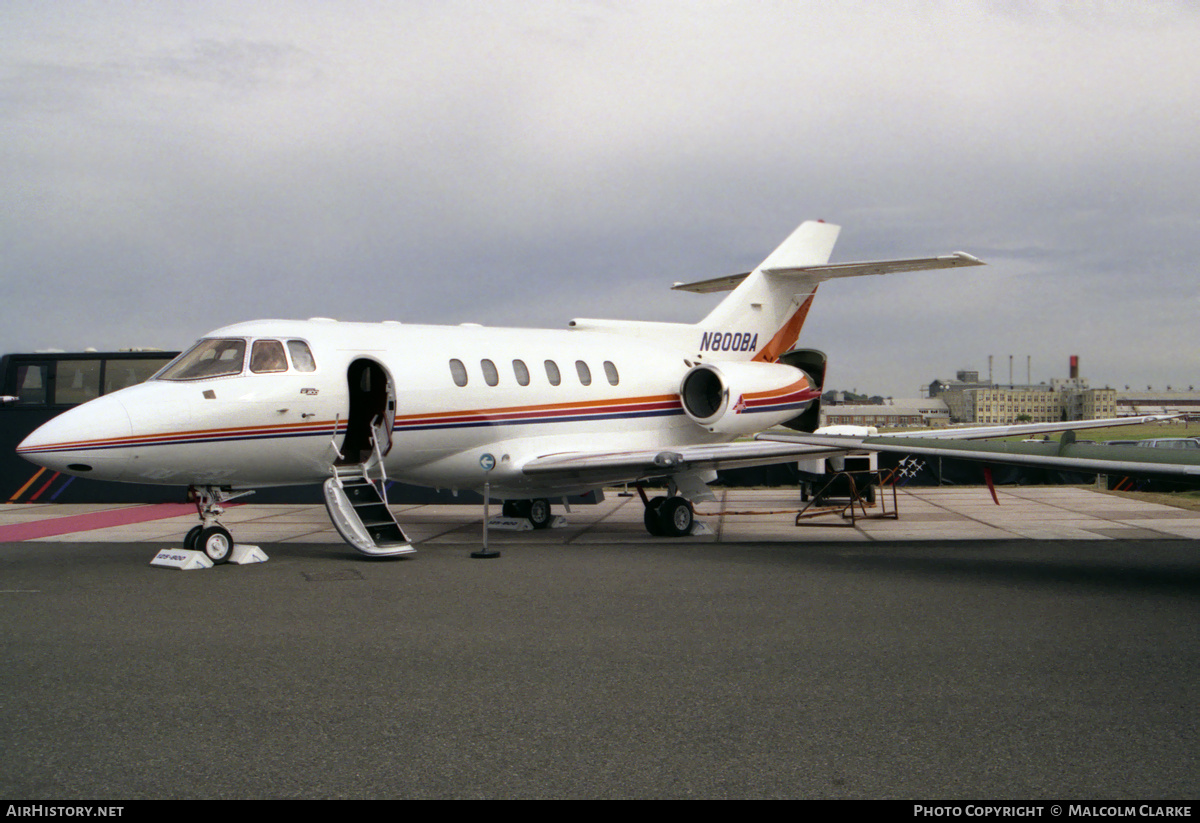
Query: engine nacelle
(812,362)
(742,398)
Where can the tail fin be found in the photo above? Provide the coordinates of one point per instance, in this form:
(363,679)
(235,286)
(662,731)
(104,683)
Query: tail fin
(763,316)
(761,319)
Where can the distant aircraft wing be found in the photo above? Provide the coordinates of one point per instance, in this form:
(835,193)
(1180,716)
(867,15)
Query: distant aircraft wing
(831,270)
(1019,429)
(1066,454)
(1086,457)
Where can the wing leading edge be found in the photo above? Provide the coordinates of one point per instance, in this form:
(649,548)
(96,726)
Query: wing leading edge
(600,468)
(1087,457)
(1064,454)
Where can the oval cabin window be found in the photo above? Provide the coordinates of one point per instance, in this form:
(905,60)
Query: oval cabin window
(521,372)
(490,375)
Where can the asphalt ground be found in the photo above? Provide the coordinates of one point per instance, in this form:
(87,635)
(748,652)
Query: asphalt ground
(609,668)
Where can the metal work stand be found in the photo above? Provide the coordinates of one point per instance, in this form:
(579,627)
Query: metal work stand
(847,510)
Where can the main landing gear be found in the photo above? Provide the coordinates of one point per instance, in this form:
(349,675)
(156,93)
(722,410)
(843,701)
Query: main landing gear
(667,516)
(210,536)
(536,511)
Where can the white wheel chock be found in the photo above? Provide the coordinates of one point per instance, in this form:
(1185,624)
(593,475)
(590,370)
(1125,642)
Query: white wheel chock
(510,524)
(185,559)
(244,554)
(190,559)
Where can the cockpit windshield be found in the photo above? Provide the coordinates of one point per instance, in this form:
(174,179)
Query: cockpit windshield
(208,358)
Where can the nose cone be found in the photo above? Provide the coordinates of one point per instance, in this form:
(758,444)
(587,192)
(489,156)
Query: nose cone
(91,440)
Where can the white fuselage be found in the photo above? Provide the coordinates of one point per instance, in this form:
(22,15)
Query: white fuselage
(533,412)
(287,427)
(276,402)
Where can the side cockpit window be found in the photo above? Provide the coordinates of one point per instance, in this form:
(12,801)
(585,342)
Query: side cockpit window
(267,356)
(208,358)
(302,358)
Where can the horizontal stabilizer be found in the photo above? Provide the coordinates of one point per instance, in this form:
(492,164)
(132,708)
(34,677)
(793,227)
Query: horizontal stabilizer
(830,271)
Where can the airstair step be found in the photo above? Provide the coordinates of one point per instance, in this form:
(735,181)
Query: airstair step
(361,516)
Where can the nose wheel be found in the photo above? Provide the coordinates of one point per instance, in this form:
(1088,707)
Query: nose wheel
(189,540)
(217,544)
(210,536)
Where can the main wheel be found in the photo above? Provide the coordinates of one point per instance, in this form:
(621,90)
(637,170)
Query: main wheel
(217,544)
(676,517)
(651,517)
(539,513)
(512,508)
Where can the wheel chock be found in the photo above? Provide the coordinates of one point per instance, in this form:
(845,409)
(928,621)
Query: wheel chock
(185,559)
(510,524)
(244,554)
(189,559)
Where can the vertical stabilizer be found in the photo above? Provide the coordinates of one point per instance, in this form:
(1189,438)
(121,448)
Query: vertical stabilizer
(762,317)
(764,314)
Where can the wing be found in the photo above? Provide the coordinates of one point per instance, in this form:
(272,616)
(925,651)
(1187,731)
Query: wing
(599,468)
(583,468)
(1063,454)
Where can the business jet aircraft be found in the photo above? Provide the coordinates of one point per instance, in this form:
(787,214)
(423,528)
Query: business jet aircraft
(535,414)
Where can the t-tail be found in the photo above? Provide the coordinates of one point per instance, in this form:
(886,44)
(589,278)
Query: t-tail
(763,315)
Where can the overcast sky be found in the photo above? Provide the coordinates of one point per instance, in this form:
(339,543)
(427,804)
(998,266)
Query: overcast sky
(170,167)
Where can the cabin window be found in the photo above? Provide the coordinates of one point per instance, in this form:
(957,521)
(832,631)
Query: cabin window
(610,371)
(521,372)
(490,375)
(459,372)
(267,357)
(302,358)
(552,373)
(208,358)
(585,374)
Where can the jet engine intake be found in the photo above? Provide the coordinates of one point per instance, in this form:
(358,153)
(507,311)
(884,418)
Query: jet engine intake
(742,398)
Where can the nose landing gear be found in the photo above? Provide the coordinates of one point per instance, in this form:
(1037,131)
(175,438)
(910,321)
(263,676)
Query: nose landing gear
(210,536)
